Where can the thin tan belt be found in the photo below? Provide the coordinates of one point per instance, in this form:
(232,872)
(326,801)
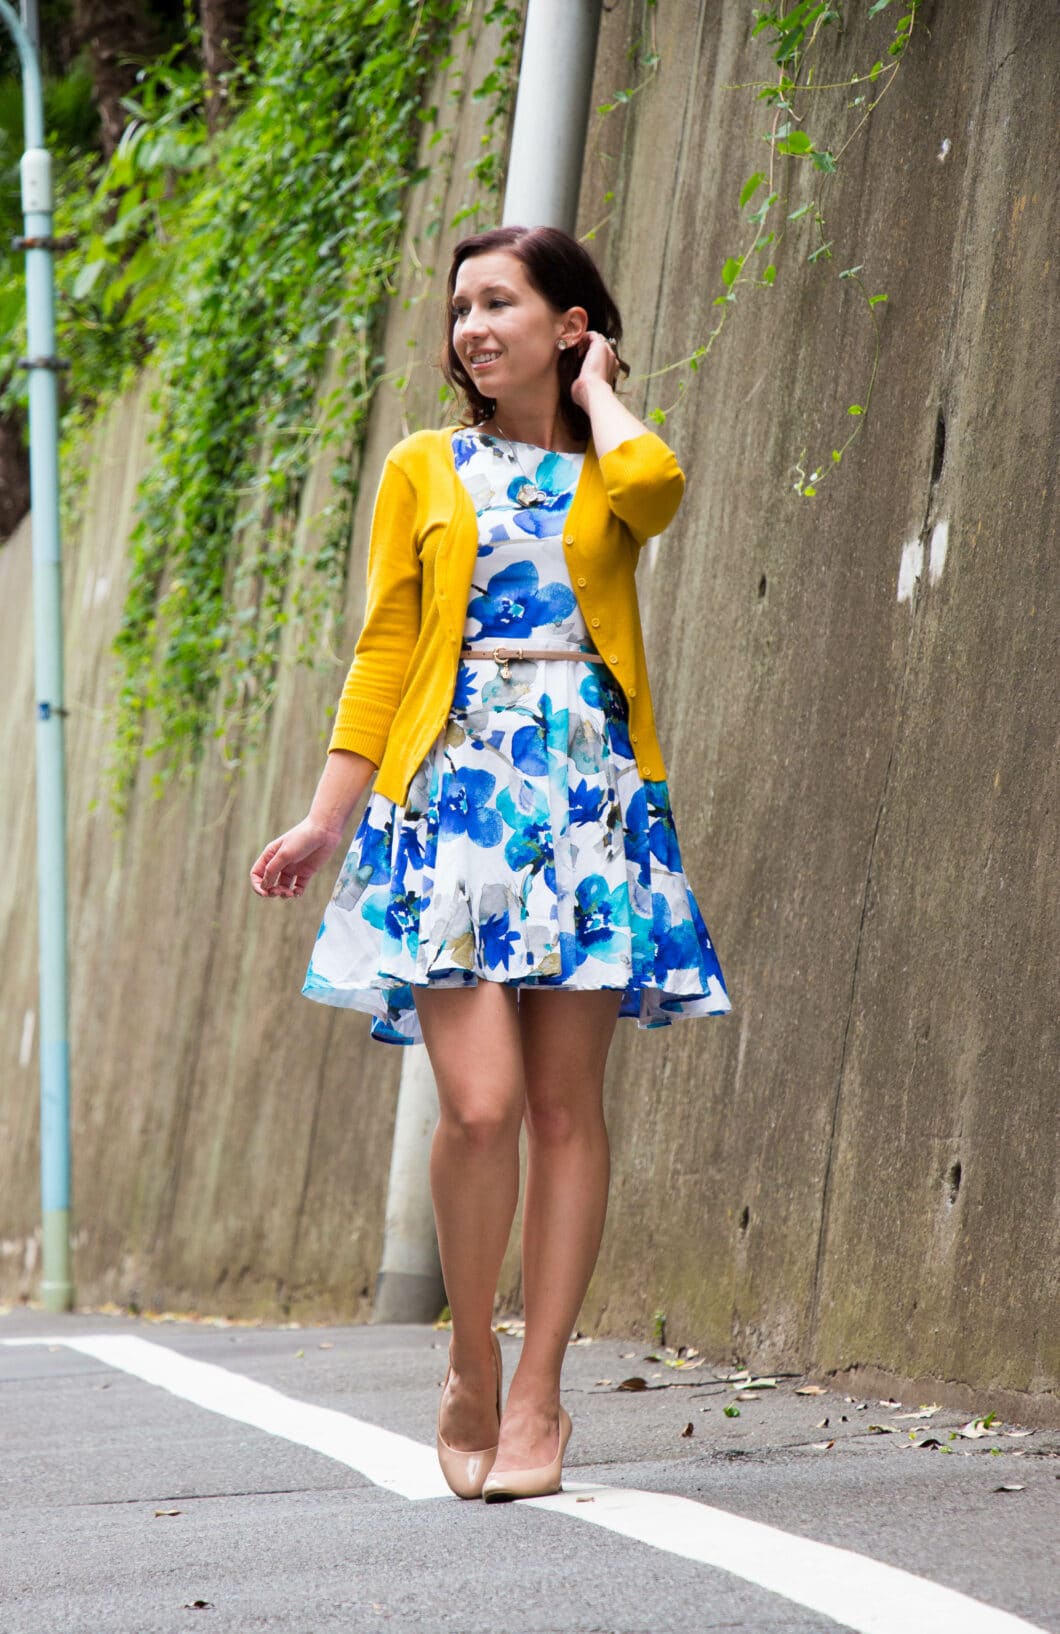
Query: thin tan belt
(504,655)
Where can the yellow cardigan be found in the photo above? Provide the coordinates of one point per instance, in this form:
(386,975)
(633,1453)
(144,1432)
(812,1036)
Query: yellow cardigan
(421,557)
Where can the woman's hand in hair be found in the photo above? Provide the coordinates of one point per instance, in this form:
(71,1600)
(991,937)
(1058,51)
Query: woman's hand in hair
(599,367)
(593,391)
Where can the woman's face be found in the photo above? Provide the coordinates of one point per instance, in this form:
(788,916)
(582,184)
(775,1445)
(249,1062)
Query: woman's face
(505,333)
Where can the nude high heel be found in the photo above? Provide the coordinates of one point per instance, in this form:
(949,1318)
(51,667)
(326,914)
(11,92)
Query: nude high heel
(466,1471)
(531,1483)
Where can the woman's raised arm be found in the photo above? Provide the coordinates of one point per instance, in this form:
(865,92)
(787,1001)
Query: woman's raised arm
(593,391)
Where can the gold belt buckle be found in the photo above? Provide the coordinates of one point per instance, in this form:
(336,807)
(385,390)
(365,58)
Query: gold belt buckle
(503,662)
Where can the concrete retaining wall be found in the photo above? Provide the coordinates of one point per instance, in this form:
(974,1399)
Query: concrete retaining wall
(857,1170)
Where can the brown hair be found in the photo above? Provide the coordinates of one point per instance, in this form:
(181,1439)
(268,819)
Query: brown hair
(565,275)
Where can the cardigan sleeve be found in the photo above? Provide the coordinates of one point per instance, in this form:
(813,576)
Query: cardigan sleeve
(644,484)
(372,690)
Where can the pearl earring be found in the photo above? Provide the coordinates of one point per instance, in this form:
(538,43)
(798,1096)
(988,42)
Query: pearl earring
(562,344)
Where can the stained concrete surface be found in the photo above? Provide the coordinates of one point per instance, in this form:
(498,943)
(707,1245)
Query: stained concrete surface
(858,1169)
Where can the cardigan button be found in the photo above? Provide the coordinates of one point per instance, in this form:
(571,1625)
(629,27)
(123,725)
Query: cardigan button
(568,538)
(632,692)
(581,584)
(633,738)
(614,659)
(595,622)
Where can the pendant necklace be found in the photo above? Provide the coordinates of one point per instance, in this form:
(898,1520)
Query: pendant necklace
(528,493)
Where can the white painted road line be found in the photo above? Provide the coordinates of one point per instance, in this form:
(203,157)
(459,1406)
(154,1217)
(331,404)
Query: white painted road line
(389,1460)
(855,1591)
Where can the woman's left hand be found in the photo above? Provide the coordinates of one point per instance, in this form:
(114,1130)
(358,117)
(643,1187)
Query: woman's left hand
(599,365)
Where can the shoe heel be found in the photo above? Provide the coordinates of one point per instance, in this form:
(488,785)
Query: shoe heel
(465,1472)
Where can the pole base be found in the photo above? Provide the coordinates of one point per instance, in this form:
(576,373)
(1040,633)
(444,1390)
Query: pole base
(57,1288)
(401,1296)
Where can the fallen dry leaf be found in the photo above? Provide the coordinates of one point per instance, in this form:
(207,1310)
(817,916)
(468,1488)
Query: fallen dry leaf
(167,1512)
(635,1383)
(811,1390)
(977,1427)
(1009,1486)
(605,1381)
(687,1431)
(881,1429)
(586,1500)
(822,1446)
(888,1404)
(822,1425)
(198,1605)
(326,1344)
(923,1412)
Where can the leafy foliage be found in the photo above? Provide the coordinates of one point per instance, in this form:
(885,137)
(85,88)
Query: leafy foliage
(244,269)
(794,33)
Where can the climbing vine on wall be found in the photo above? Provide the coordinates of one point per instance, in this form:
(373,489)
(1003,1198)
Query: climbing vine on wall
(289,247)
(800,162)
(244,270)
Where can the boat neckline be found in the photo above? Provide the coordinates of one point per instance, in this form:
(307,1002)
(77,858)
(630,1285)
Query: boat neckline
(520,442)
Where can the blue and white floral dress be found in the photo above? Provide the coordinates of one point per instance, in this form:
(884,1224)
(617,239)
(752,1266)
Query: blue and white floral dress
(529,849)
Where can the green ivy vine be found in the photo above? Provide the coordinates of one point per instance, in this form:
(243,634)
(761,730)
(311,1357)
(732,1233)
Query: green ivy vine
(286,258)
(245,271)
(793,35)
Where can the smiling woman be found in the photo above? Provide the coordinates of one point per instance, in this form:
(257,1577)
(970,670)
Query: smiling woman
(513,303)
(515,884)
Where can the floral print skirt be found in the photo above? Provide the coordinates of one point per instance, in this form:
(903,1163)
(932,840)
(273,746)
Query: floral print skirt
(529,851)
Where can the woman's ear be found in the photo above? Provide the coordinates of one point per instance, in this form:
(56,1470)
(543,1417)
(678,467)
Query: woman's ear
(575,324)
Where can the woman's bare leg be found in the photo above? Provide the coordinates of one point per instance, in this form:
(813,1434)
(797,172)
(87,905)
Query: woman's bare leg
(472,1038)
(565,1040)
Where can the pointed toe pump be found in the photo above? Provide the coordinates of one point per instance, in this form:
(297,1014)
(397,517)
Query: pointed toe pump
(531,1483)
(466,1471)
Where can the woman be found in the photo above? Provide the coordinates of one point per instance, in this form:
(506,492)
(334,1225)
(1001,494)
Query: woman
(515,884)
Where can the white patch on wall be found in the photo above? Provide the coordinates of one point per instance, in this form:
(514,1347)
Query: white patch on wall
(910,570)
(97,587)
(940,540)
(25,1048)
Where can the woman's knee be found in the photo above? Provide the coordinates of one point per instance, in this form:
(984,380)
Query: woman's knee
(481,1122)
(555,1119)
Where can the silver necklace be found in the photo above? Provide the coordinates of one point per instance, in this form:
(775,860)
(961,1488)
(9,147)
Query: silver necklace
(528,493)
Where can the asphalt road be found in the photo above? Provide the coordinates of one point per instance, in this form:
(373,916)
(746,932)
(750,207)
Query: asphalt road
(130,1507)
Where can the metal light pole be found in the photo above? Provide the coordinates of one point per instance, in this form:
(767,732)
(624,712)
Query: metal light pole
(43,365)
(551,113)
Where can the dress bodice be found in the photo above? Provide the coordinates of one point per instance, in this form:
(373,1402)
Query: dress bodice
(521,591)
